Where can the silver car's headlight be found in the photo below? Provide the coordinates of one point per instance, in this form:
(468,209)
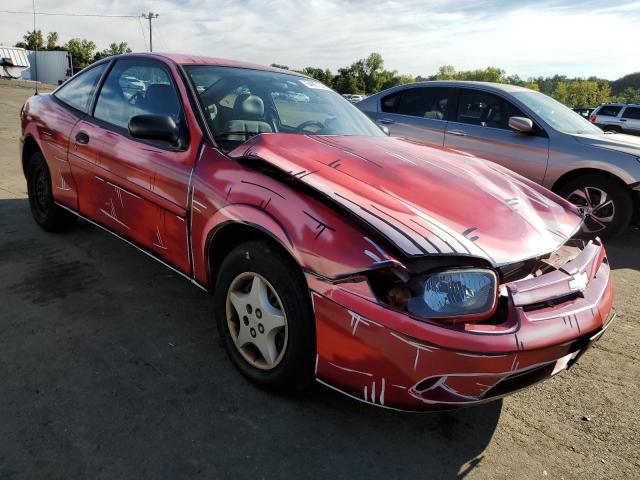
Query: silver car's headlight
(457,295)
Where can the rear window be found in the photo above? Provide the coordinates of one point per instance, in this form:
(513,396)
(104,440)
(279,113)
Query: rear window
(632,113)
(389,104)
(424,102)
(609,110)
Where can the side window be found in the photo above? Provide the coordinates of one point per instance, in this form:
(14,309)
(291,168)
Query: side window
(424,102)
(632,113)
(485,109)
(136,87)
(389,103)
(610,110)
(78,91)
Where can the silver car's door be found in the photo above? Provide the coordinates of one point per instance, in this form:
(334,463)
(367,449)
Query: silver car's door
(416,112)
(630,119)
(480,127)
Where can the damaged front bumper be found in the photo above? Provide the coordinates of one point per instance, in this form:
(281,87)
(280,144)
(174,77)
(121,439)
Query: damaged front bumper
(384,357)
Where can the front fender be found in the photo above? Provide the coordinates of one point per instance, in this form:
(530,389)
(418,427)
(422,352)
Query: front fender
(322,240)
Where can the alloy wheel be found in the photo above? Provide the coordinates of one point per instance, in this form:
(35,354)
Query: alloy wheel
(256,320)
(595,204)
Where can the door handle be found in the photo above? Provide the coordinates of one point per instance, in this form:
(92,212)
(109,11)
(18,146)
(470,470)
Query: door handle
(82,138)
(459,133)
(623,119)
(386,121)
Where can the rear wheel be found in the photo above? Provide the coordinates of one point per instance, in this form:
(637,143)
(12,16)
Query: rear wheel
(607,205)
(265,318)
(45,212)
(612,128)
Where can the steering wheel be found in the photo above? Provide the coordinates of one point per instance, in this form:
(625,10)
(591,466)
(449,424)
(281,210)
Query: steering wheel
(309,123)
(136,98)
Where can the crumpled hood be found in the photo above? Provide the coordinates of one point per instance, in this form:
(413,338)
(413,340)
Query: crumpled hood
(425,200)
(613,141)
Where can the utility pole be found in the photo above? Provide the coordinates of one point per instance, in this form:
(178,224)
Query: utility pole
(150,16)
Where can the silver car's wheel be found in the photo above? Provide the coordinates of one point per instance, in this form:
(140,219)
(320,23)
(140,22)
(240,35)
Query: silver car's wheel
(256,320)
(605,202)
(595,204)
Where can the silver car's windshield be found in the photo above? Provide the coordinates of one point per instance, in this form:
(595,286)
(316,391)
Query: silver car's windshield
(556,114)
(240,102)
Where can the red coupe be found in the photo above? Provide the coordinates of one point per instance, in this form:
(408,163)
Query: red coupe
(403,275)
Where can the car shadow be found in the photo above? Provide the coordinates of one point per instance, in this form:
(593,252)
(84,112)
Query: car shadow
(624,250)
(112,367)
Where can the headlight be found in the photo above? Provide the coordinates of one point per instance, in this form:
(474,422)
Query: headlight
(457,295)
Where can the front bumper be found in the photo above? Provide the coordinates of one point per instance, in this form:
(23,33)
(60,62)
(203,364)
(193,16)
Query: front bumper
(385,358)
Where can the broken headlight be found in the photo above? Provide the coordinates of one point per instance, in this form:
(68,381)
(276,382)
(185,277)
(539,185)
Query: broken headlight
(455,295)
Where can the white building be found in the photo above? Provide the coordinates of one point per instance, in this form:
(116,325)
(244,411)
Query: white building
(48,66)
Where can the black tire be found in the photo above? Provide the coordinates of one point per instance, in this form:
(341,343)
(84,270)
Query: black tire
(621,210)
(295,370)
(612,128)
(49,216)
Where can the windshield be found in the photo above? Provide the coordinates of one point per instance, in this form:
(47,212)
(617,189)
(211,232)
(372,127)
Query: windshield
(239,103)
(556,114)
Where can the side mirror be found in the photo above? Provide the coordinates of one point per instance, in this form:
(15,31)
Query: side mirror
(520,124)
(155,127)
(385,129)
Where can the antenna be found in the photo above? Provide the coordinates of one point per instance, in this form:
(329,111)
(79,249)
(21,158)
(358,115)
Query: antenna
(35,57)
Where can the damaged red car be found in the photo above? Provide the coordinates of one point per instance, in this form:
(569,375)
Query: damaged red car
(402,275)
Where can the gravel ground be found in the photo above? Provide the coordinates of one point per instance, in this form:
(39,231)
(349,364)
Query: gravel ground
(110,367)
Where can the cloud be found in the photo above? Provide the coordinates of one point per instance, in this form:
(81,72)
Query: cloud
(528,38)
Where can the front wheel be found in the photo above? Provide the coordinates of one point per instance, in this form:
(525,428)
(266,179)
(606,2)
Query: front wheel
(264,317)
(607,205)
(45,212)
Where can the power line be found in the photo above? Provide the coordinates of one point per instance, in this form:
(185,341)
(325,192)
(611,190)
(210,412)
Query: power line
(161,36)
(144,35)
(59,14)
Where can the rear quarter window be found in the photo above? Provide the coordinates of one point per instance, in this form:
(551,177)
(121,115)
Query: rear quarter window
(632,113)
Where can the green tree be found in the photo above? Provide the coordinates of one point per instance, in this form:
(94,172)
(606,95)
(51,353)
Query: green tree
(489,74)
(628,95)
(561,92)
(81,51)
(324,76)
(396,79)
(33,40)
(445,72)
(52,40)
(346,81)
(114,49)
(620,85)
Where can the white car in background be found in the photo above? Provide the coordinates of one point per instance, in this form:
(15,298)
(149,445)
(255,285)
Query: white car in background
(131,85)
(617,117)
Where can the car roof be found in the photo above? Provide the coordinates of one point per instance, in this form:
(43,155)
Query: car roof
(186,59)
(620,104)
(490,86)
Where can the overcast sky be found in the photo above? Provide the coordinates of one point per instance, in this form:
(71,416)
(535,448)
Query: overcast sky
(530,38)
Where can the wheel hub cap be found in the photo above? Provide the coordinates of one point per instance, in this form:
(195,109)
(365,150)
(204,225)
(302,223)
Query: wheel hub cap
(256,320)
